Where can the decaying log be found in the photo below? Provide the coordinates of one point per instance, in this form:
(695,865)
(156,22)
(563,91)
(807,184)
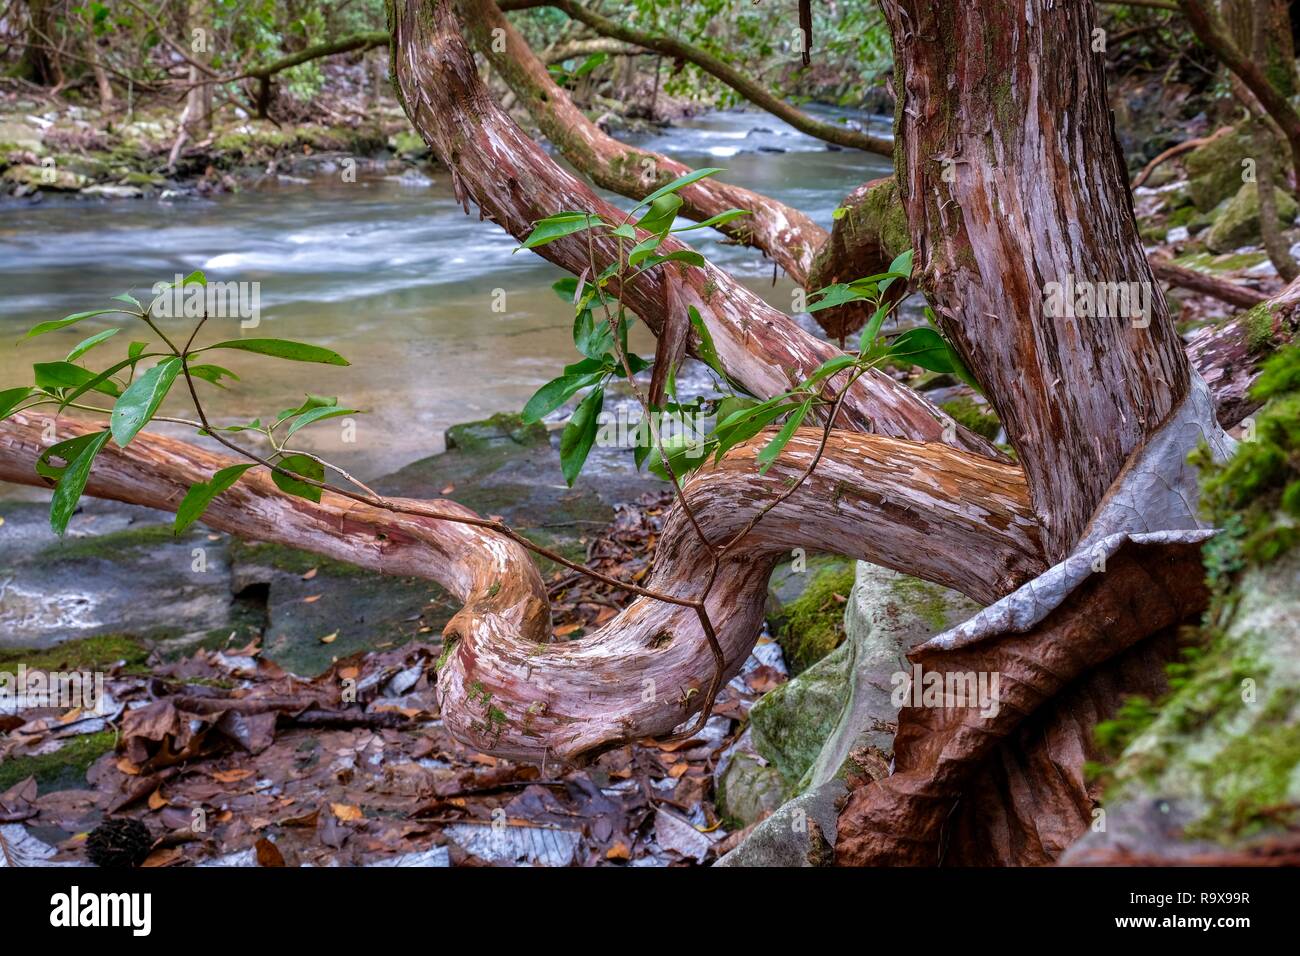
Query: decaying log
(784,234)
(1221,289)
(1228,355)
(916,508)
(1149,584)
(515,184)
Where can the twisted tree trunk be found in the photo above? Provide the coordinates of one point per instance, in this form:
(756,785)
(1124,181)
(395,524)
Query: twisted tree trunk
(515,183)
(784,234)
(1012,181)
(506,689)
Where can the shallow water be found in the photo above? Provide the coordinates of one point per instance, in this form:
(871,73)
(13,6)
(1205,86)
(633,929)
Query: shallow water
(390,273)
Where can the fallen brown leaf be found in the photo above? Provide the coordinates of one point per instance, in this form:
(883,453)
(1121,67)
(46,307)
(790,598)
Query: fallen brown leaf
(346,812)
(230,776)
(163,856)
(268,854)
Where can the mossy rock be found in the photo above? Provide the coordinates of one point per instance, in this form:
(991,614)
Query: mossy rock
(20,136)
(317,609)
(813,727)
(975,416)
(748,790)
(65,768)
(496,431)
(1181,216)
(807,610)
(42,177)
(407,143)
(1239,223)
(790,723)
(1215,170)
(88,654)
(118,570)
(1219,754)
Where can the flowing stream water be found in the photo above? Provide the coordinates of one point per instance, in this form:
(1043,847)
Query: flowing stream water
(389,272)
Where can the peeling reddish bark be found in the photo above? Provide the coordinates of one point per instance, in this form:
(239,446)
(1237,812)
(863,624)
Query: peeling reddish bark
(1012,180)
(505,689)
(515,184)
(784,234)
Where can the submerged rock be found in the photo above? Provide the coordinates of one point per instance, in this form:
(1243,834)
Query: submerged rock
(119,569)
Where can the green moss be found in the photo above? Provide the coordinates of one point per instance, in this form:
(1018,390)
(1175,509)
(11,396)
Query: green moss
(925,600)
(790,723)
(966,412)
(284,558)
(500,428)
(813,624)
(1239,222)
(1234,758)
(1203,261)
(1205,686)
(1182,216)
(65,769)
(88,654)
(1259,327)
(407,143)
(1248,784)
(1134,716)
(1255,495)
(116,546)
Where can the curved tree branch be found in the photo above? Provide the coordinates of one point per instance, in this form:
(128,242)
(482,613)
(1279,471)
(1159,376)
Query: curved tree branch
(745,85)
(784,234)
(515,183)
(505,688)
